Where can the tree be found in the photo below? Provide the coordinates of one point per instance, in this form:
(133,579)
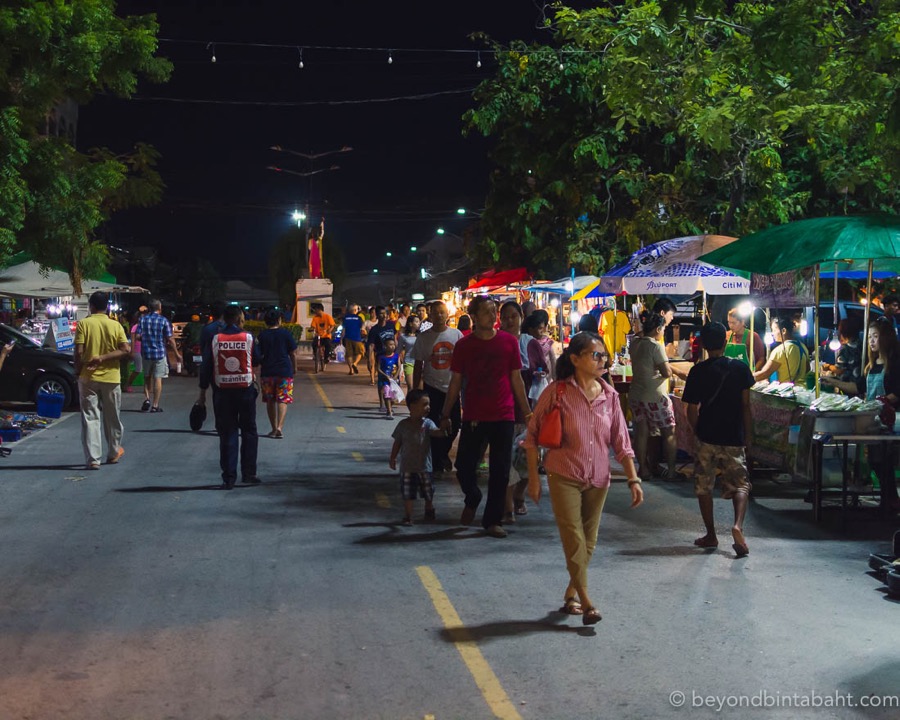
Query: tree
(648,120)
(53,198)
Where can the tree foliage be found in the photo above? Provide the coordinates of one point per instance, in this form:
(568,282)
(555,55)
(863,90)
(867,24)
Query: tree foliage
(647,120)
(53,198)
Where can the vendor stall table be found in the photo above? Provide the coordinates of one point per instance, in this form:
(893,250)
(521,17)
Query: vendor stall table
(770,435)
(819,441)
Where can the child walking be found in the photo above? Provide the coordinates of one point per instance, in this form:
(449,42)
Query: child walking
(388,364)
(412,442)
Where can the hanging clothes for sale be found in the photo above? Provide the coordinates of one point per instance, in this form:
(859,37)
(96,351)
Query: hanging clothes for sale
(614,328)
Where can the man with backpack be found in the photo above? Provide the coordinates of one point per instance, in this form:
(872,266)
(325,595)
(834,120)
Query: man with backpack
(717,395)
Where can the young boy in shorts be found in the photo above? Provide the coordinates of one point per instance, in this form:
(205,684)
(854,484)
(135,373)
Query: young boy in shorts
(388,364)
(412,443)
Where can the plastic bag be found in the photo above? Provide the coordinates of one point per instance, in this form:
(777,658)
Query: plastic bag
(537,387)
(397,394)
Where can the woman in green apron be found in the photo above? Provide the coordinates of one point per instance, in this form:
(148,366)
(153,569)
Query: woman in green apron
(880,380)
(737,344)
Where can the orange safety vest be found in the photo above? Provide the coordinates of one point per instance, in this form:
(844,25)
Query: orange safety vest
(233,360)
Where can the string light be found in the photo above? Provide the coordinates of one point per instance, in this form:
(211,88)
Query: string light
(562,65)
(390,58)
(300,64)
(478,61)
(213,46)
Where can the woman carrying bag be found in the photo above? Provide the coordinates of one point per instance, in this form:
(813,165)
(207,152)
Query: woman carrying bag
(578,418)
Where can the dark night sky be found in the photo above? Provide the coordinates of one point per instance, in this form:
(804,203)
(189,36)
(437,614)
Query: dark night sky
(410,167)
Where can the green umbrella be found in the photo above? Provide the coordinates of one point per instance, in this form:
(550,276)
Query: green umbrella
(873,240)
(805,243)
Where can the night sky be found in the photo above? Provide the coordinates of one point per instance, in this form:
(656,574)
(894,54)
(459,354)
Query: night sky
(410,167)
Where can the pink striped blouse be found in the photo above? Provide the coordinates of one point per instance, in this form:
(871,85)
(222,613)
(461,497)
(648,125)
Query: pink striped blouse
(589,430)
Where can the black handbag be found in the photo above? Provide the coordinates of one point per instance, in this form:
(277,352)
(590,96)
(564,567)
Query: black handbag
(197,417)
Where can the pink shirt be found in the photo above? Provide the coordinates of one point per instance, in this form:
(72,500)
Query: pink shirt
(589,430)
(486,366)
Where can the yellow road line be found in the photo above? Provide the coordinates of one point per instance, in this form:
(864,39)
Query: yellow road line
(382,500)
(357,456)
(484,677)
(341,429)
(325,401)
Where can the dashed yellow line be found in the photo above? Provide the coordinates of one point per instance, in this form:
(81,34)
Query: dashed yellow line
(325,401)
(484,676)
(382,500)
(357,456)
(341,429)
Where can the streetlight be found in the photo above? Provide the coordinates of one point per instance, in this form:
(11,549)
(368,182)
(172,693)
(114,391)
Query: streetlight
(298,217)
(463,211)
(440,231)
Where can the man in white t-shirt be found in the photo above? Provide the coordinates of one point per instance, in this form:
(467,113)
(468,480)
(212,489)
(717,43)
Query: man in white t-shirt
(431,355)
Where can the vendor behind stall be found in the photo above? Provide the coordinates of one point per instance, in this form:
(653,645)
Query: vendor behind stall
(737,343)
(790,358)
(880,380)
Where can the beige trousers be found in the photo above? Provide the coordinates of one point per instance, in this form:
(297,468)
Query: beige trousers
(577,509)
(100,403)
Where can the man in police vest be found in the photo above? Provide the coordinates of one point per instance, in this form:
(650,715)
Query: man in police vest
(233,357)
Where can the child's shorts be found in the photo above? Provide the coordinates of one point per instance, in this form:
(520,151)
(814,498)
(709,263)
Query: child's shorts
(413,485)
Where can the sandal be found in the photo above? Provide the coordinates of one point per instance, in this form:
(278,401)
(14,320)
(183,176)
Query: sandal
(521,509)
(571,607)
(591,616)
(706,542)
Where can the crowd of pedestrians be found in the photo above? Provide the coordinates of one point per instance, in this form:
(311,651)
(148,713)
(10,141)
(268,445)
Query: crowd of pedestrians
(495,382)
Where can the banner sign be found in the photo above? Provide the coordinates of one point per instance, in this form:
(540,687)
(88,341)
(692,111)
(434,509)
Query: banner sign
(784,290)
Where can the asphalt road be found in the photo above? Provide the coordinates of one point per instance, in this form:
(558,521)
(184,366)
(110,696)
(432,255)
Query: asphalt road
(143,591)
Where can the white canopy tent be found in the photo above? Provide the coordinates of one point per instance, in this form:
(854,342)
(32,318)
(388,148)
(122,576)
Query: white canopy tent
(27,280)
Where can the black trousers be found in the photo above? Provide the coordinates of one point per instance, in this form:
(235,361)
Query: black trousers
(236,413)
(475,435)
(440,447)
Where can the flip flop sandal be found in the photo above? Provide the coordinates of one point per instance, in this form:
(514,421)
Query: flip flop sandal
(741,550)
(591,616)
(571,607)
(521,509)
(704,543)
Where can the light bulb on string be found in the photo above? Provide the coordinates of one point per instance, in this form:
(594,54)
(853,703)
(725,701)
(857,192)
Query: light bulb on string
(478,61)
(212,47)
(300,64)
(390,58)
(834,344)
(562,65)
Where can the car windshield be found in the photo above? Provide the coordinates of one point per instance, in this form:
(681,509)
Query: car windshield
(10,334)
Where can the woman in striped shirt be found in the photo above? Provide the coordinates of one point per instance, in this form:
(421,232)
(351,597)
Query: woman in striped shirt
(578,473)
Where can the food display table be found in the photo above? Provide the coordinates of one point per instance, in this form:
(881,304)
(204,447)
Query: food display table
(773,417)
(770,435)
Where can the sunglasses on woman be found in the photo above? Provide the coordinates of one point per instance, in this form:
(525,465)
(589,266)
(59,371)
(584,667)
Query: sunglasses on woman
(595,355)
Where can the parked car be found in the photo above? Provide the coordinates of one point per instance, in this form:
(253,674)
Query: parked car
(31,369)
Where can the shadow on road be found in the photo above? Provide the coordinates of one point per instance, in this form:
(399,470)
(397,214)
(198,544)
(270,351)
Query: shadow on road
(174,488)
(187,431)
(395,536)
(512,628)
(676,551)
(73,466)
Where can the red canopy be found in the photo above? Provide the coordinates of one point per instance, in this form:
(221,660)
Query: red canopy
(495,278)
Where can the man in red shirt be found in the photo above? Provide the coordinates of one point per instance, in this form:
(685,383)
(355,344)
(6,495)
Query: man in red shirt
(489,361)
